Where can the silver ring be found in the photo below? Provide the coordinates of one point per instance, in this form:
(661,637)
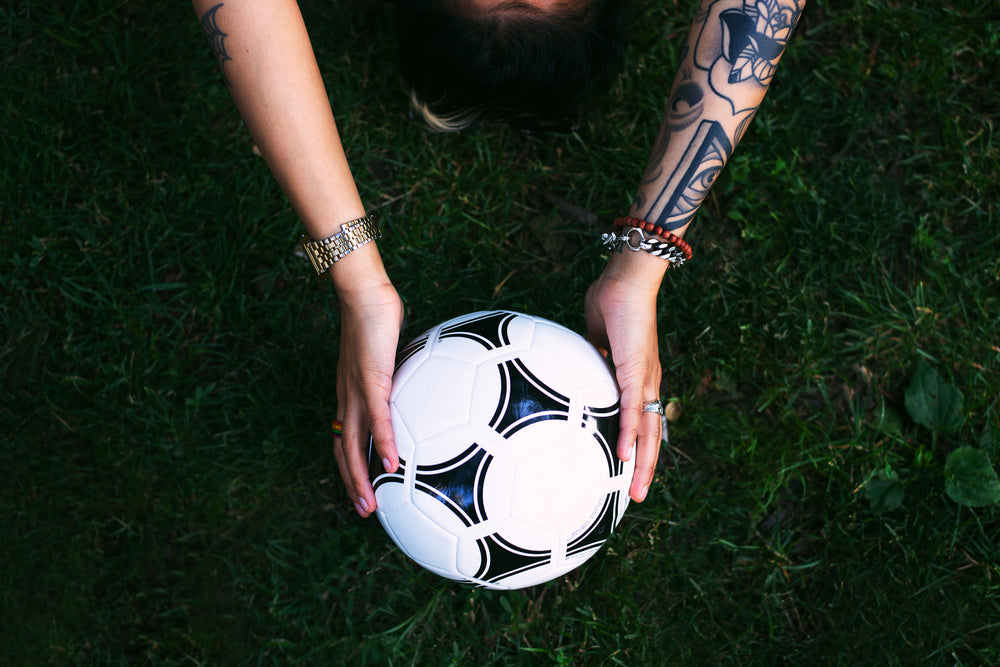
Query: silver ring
(653,406)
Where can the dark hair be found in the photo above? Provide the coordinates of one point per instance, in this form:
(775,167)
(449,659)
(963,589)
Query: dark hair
(514,62)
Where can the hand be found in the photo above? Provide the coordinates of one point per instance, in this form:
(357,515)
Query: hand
(370,322)
(620,309)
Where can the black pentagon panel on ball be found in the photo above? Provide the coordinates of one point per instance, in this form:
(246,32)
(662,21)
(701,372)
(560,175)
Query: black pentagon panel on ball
(525,400)
(490,330)
(410,349)
(600,530)
(377,474)
(501,559)
(458,483)
(604,422)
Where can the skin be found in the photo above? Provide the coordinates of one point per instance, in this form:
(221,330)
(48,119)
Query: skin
(620,308)
(715,95)
(268,62)
(265,56)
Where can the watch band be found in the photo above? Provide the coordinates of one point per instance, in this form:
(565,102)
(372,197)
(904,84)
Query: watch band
(352,235)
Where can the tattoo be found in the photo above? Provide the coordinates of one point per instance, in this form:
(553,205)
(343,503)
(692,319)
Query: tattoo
(688,185)
(741,43)
(734,54)
(218,38)
(685,104)
(655,165)
(741,129)
(683,110)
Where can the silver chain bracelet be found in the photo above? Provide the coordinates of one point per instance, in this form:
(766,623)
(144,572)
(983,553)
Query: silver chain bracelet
(635,239)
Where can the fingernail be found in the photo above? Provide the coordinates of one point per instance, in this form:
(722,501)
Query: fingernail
(643,492)
(357,506)
(363,504)
(385,464)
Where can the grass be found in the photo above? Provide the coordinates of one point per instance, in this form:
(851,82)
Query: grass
(167,362)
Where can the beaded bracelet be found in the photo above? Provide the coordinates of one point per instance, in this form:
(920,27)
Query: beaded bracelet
(671,239)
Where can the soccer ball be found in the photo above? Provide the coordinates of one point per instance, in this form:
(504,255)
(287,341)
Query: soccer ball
(505,425)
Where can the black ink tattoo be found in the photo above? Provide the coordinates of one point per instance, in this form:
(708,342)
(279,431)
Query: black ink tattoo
(744,125)
(742,41)
(735,53)
(210,25)
(684,107)
(654,167)
(694,176)
(683,110)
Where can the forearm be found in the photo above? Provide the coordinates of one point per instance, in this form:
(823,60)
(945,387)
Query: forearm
(729,59)
(267,60)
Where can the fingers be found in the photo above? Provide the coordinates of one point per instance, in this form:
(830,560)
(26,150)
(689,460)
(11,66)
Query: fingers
(338,454)
(350,449)
(643,431)
(351,452)
(628,426)
(647,451)
(369,337)
(380,424)
(356,462)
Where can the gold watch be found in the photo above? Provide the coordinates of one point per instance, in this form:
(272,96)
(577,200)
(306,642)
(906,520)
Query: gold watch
(352,235)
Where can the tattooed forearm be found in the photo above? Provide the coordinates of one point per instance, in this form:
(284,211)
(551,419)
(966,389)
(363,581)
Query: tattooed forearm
(210,25)
(695,173)
(683,110)
(728,63)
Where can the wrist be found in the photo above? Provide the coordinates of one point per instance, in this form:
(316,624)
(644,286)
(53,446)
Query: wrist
(324,253)
(636,268)
(359,275)
(648,239)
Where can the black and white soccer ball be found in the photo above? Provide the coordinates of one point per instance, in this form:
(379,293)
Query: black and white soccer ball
(506,427)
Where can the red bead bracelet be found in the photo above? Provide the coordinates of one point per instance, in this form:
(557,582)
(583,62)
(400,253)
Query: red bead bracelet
(671,239)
